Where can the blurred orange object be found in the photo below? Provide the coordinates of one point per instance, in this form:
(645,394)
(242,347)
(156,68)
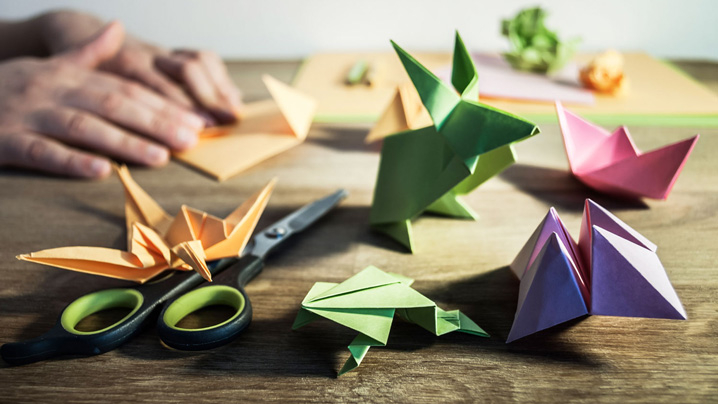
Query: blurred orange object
(605,74)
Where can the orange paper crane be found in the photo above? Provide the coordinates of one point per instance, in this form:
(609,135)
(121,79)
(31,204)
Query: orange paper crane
(157,242)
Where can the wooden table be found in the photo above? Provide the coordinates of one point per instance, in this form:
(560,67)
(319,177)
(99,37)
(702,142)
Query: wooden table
(461,265)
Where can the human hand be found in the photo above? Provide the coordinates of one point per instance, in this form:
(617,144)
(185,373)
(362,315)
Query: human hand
(193,79)
(51,109)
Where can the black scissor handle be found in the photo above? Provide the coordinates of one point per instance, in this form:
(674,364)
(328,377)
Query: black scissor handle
(65,339)
(197,339)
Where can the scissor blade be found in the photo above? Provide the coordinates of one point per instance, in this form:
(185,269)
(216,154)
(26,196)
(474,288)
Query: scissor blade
(277,233)
(307,215)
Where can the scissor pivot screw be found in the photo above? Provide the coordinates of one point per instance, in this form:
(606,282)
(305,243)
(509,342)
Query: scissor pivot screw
(276,232)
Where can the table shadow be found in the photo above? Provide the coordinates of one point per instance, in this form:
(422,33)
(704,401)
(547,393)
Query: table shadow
(490,300)
(268,348)
(319,349)
(271,348)
(344,227)
(559,188)
(344,138)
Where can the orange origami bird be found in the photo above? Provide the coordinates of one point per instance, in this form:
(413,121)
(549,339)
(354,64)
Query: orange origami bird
(157,242)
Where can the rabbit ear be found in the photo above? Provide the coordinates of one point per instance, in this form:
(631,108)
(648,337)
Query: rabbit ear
(438,97)
(463,74)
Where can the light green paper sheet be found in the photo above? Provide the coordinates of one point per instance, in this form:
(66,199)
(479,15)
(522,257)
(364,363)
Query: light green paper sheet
(427,169)
(367,302)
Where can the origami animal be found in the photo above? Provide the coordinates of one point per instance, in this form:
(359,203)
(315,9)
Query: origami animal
(613,270)
(611,162)
(427,168)
(157,242)
(367,302)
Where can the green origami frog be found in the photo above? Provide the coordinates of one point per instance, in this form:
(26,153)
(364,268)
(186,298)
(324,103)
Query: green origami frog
(426,169)
(534,47)
(367,302)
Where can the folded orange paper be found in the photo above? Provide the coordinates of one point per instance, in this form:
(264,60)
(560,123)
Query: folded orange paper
(404,112)
(157,242)
(266,129)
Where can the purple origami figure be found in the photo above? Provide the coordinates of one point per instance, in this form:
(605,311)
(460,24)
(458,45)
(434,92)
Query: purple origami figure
(612,270)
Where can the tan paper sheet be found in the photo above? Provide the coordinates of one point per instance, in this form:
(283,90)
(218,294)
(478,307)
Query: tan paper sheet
(660,94)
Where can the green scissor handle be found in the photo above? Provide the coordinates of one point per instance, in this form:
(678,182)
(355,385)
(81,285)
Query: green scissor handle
(196,339)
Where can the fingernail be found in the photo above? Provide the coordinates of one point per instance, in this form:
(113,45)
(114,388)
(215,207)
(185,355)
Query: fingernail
(186,138)
(156,154)
(208,119)
(193,120)
(226,117)
(100,168)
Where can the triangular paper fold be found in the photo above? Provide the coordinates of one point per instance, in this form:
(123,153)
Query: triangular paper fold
(438,98)
(550,225)
(139,206)
(234,242)
(377,329)
(630,281)
(549,294)
(595,215)
(404,112)
(464,76)
(297,108)
(615,270)
(266,129)
(392,120)
(370,277)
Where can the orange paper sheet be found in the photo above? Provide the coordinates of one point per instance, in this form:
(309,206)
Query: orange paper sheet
(323,76)
(660,94)
(157,242)
(404,112)
(266,129)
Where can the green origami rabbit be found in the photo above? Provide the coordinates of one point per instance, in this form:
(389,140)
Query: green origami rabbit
(426,169)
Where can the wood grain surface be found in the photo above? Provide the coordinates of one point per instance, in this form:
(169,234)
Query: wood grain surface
(460,264)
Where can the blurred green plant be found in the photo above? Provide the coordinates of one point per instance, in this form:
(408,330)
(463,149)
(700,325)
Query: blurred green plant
(534,47)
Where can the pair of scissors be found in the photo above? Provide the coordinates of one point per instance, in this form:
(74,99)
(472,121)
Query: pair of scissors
(177,297)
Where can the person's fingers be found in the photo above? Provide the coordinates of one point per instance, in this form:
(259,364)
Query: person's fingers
(144,95)
(34,151)
(101,47)
(219,75)
(169,124)
(192,73)
(79,128)
(162,85)
(189,116)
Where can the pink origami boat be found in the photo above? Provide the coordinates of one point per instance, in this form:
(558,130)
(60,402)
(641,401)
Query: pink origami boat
(612,270)
(611,162)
